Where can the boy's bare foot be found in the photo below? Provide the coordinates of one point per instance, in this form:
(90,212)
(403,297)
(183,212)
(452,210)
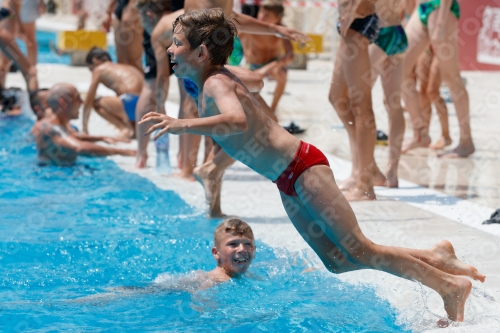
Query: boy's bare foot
(422,141)
(462,150)
(141,161)
(212,184)
(347,183)
(356,194)
(455,296)
(447,261)
(441,143)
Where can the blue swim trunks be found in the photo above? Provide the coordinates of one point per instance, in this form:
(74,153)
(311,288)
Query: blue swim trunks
(129,102)
(191,88)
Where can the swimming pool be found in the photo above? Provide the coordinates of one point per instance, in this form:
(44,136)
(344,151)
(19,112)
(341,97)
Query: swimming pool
(46,55)
(70,233)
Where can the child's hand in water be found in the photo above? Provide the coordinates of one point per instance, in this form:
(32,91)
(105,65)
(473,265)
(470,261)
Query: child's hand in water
(166,123)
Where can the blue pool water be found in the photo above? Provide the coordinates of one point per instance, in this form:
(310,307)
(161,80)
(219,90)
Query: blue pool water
(68,235)
(45,54)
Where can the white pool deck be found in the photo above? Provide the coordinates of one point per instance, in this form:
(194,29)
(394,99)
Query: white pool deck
(437,199)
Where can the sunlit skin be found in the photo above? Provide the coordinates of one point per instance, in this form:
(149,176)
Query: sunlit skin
(120,78)
(234,256)
(267,50)
(57,145)
(229,114)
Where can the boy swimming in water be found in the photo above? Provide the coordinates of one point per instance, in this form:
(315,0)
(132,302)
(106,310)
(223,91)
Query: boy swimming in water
(203,41)
(234,251)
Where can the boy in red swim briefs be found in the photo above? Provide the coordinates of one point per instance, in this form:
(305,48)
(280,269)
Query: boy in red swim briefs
(202,43)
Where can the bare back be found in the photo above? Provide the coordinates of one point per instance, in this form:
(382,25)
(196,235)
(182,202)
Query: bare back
(260,49)
(120,78)
(226,5)
(264,146)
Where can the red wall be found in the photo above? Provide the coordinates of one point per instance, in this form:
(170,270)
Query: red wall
(479,34)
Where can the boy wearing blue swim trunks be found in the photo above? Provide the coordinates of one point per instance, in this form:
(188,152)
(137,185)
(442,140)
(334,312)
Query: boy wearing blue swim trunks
(125,80)
(203,41)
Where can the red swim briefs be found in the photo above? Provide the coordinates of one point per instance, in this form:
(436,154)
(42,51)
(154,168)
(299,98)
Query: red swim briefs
(306,156)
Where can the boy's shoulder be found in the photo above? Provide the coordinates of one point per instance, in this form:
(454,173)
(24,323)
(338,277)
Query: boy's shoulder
(221,79)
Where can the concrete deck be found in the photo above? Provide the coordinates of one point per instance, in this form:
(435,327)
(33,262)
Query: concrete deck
(437,199)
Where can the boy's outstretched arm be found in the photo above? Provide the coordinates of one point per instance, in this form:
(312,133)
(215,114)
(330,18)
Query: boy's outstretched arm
(251,80)
(248,24)
(231,120)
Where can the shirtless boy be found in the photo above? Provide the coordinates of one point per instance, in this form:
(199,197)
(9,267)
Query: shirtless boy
(125,80)
(350,95)
(203,40)
(54,142)
(234,250)
(263,54)
(210,173)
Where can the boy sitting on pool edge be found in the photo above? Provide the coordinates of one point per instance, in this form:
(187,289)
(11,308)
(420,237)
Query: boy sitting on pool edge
(202,43)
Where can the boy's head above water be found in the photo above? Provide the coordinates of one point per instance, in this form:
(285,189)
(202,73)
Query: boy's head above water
(199,36)
(234,247)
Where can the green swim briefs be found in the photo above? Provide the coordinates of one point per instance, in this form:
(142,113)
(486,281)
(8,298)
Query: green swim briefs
(392,40)
(426,8)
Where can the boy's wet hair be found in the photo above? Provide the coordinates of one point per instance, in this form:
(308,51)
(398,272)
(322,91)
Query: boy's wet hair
(210,28)
(274,6)
(98,54)
(233,226)
(155,6)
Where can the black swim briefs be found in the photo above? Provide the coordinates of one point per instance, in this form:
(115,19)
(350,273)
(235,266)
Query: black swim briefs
(368,26)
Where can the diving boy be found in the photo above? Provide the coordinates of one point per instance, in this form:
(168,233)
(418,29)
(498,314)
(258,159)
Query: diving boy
(203,40)
(125,80)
